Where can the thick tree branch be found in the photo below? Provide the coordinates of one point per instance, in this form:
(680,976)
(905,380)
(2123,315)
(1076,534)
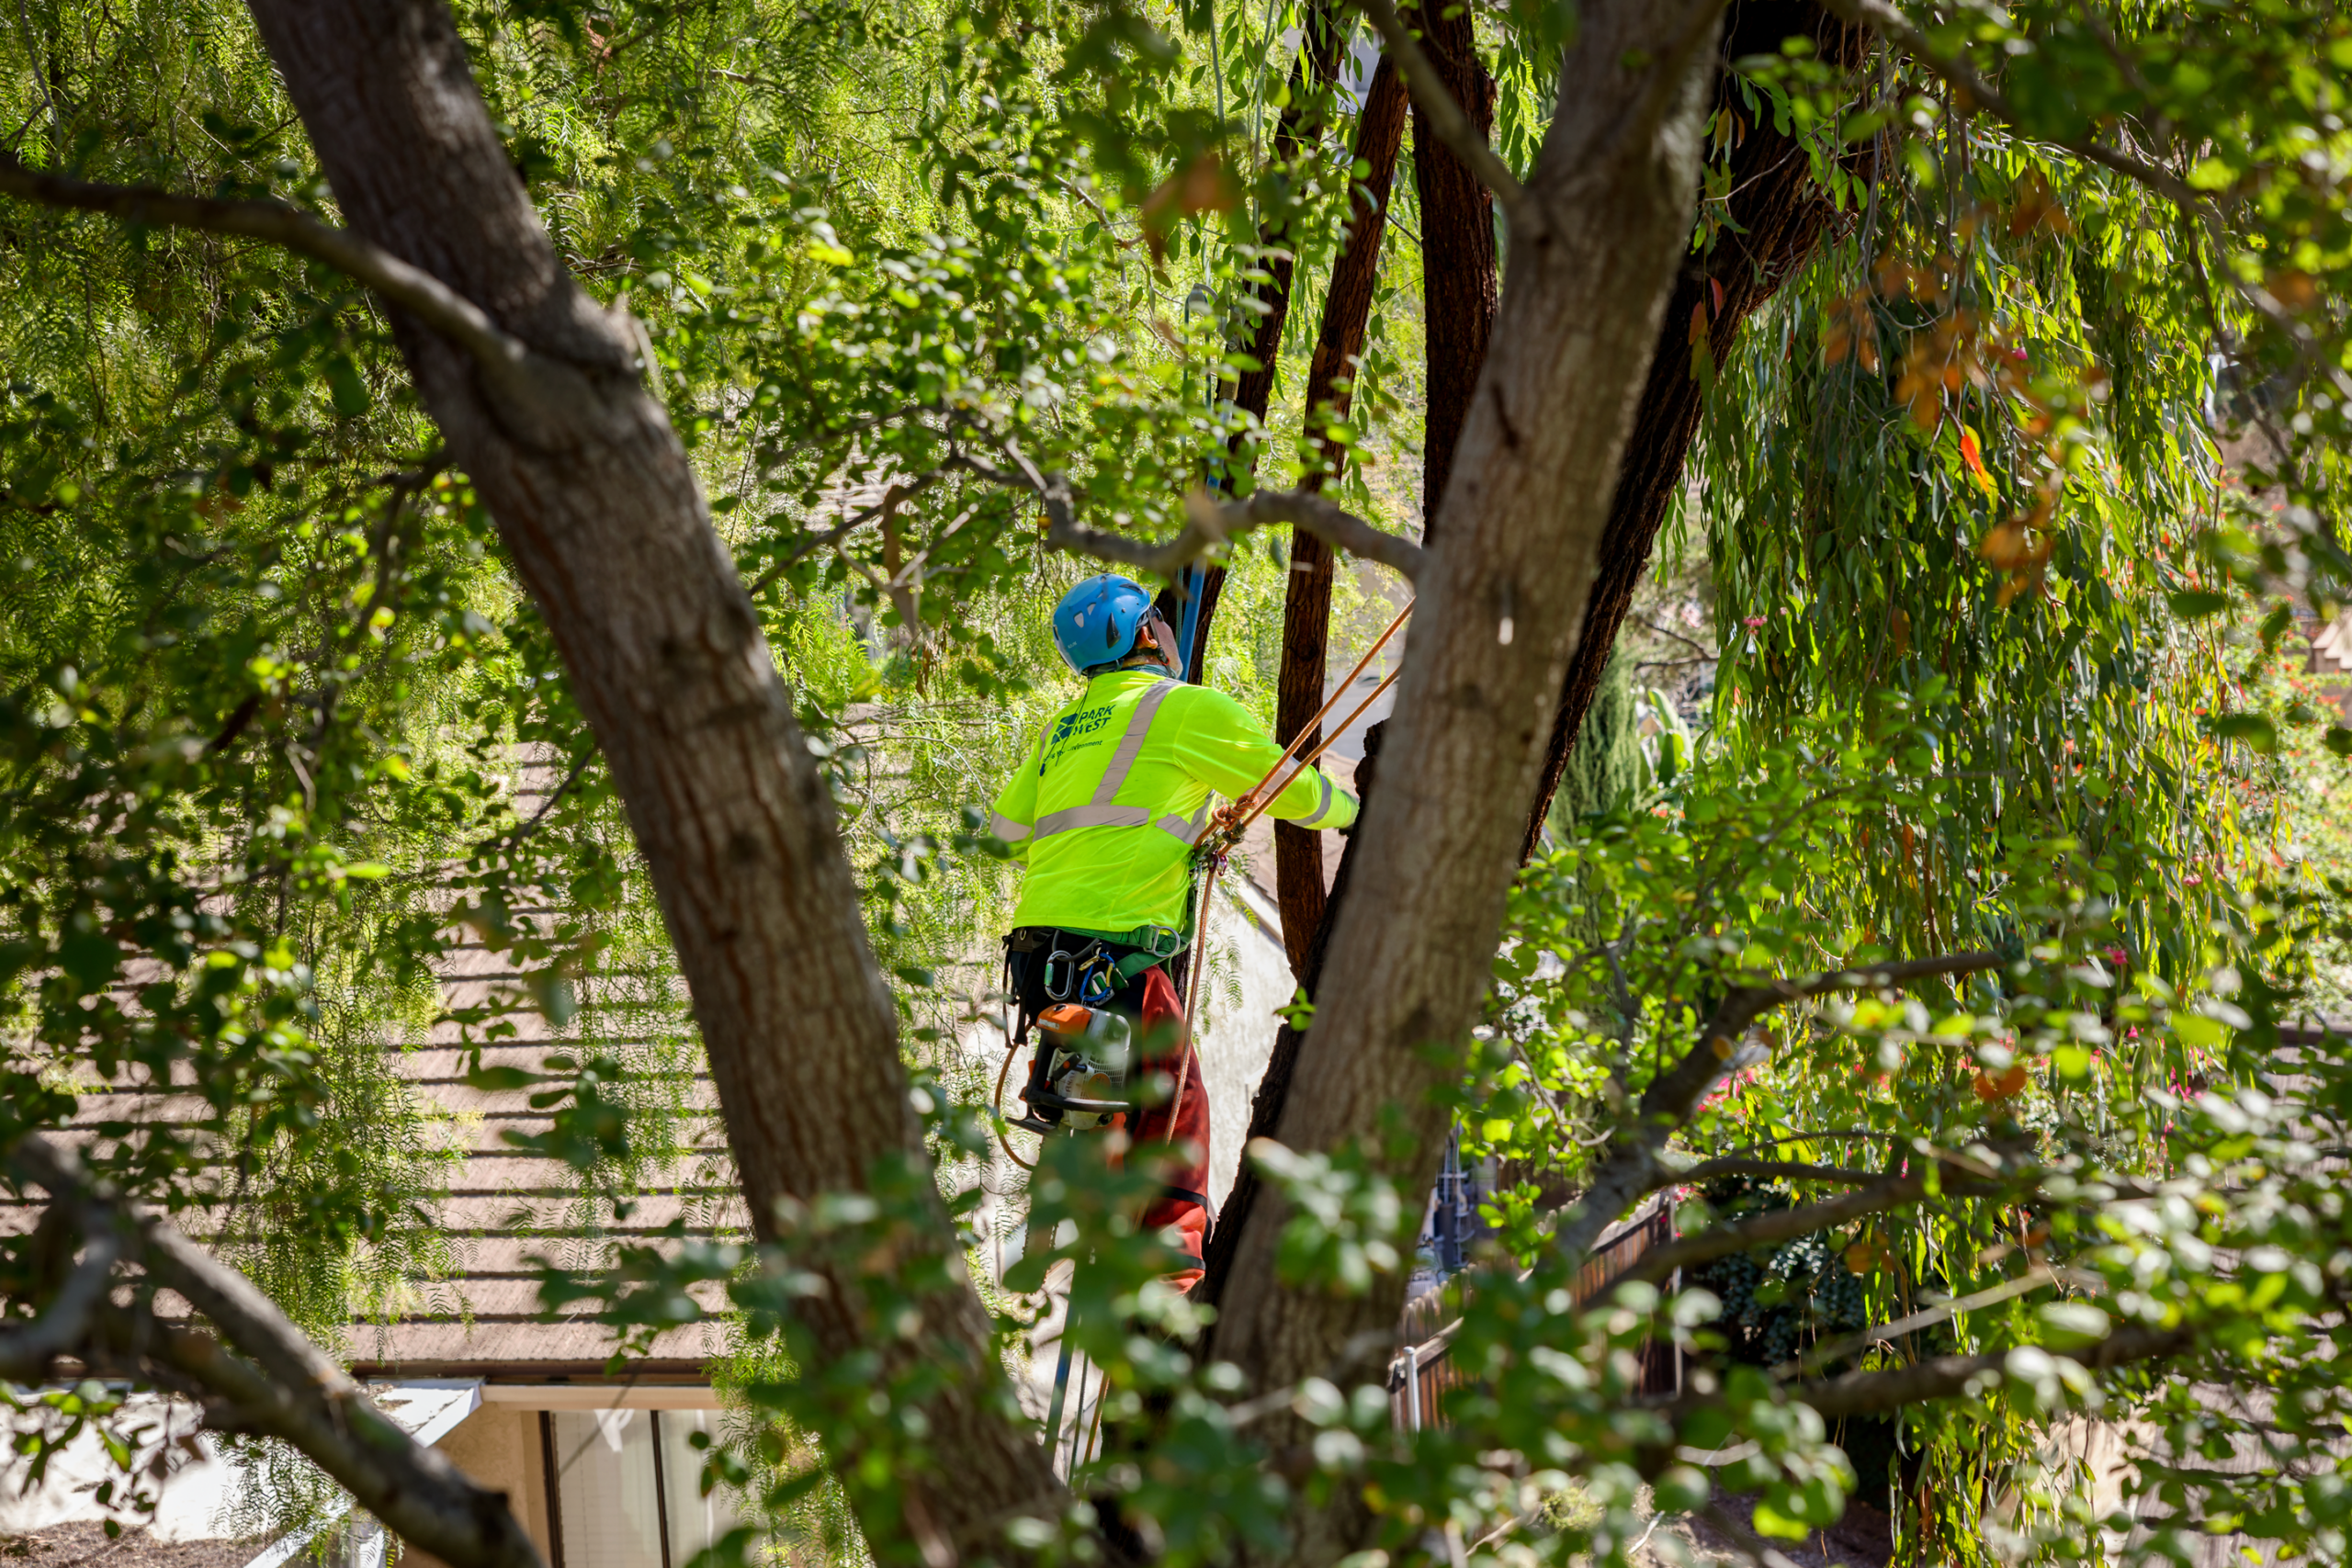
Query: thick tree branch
(1208,523)
(1446,116)
(280,1383)
(1774,1225)
(1632,1167)
(1327,520)
(413,290)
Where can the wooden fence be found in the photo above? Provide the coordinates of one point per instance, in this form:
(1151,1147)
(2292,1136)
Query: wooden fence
(1424,1368)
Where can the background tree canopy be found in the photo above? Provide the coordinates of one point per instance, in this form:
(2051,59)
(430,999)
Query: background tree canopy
(702,400)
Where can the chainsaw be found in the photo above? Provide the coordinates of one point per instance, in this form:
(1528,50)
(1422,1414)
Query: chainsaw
(1078,1079)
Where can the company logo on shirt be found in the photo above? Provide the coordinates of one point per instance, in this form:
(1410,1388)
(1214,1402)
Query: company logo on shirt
(1080,729)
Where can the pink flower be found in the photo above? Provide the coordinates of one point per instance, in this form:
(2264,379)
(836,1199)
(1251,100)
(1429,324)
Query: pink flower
(1753,622)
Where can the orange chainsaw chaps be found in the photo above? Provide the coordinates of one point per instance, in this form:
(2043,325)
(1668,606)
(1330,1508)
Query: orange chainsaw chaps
(1186,1152)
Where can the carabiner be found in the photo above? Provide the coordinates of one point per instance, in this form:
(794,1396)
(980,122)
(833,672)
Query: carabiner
(1097,981)
(1069,974)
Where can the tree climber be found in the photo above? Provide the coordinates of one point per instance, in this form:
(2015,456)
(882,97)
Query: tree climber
(1104,812)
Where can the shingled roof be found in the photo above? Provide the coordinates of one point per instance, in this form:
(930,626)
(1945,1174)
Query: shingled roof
(503,1207)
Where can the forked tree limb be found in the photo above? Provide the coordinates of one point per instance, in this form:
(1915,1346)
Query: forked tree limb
(415,290)
(263,1375)
(1208,523)
(607,524)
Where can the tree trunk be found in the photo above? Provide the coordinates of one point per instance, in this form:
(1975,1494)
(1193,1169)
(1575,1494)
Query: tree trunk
(594,497)
(1457,248)
(1306,602)
(1592,257)
(1313,74)
(1783,211)
(1776,212)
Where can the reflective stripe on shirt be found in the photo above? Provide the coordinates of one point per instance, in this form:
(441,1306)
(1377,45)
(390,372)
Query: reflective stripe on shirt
(1323,808)
(1101,811)
(1005,827)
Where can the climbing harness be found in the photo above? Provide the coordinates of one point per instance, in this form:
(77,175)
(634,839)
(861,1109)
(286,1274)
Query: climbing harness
(1072,1085)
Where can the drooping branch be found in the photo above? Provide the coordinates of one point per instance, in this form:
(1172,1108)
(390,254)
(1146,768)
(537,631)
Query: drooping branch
(1447,118)
(261,1376)
(1772,219)
(1836,1351)
(1976,92)
(1772,1226)
(415,290)
(1208,523)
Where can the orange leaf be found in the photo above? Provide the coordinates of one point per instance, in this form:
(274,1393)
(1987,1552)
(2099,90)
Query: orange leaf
(1973,455)
(2004,546)
(1201,186)
(2009,1085)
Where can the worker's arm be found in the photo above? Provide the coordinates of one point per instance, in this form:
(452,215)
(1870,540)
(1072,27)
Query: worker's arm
(1217,743)
(1014,812)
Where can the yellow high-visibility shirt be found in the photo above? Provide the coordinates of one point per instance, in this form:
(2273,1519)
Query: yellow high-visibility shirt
(1116,789)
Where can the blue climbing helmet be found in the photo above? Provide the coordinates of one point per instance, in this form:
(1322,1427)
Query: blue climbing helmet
(1095,623)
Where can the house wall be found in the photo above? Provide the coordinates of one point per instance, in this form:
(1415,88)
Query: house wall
(497,1446)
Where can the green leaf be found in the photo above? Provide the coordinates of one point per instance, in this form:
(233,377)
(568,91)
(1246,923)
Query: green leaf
(2253,729)
(347,388)
(2196,603)
(1770,1521)
(2196,1030)
(499,1080)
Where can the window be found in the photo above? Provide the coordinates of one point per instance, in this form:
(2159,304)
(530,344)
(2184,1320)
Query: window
(628,1488)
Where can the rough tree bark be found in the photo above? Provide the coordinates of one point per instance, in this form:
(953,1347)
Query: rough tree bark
(1314,74)
(1593,244)
(607,525)
(1775,214)
(1458,284)
(1306,602)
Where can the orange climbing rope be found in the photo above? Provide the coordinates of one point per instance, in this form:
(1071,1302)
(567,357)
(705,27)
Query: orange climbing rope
(1225,828)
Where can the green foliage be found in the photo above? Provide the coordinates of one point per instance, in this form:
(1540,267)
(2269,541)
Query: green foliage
(1998,606)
